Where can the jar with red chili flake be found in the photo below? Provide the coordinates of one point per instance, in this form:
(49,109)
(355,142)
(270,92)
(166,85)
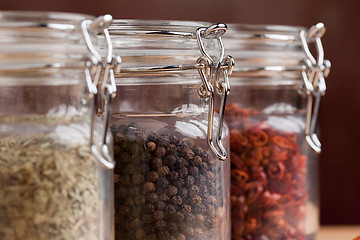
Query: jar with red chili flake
(276,88)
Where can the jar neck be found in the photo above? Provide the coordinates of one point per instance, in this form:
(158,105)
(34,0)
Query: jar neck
(179,97)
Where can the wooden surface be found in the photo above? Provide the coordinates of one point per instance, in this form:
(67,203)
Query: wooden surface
(339,232)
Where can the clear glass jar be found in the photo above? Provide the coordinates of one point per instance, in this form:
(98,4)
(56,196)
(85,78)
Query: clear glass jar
(271,112)
(169,184)
(52,183)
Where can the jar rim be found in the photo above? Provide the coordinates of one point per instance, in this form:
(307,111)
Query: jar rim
(167,28)
(40,16)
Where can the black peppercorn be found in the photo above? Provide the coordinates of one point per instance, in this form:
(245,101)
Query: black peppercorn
(152,176)
(210,176)
(184,192)
(190,218)
(191,232)
(203,167)
(173,176)
(125,180)
(193,170)
(170,161)
(201,208)
(181,162)
(204,189)
(178,216)
(196,161)
(196,200)
(136,223)
(200,179)
(186,208)
(156,162)
(153,197)
(183,172)
(172,226)
(160,152)
(190,180)
(162,183)
(163,171)
(199,218)
(116,178)
(171,190)
(149,187)
(197,150)
(153,137)
(140,200)
(160,205)
(123,210)
(176,200)
(147,218)
(179,183)
(158,215)
(199,233)
(211,200)
(134,191)
(165,235)
(171,149)
(163,197)
(171,209)
(180,237)
(150,146)
(137,178)
(160,225)
(140,234)
(130,169)
(193,190)
(164,140)
(149,207)
(174,140)
(188,154)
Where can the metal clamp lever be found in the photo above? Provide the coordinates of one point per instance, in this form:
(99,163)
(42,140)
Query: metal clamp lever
(314,73)
(93,72)
(206,89)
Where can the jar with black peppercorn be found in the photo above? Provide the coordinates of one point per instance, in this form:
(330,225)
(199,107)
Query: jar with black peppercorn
(170,146)
(56,172)
(271,112)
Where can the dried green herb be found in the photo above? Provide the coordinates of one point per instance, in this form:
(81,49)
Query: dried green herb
(49,189)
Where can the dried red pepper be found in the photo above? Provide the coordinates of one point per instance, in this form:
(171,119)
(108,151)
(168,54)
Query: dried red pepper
(268,177)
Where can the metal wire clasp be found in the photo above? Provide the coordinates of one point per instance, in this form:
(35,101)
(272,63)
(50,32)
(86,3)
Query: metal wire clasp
(206,89)
(314,72)
(100,74)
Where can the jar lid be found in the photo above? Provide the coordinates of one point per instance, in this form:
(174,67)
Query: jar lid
(161,48)
(36,40)
(264,50)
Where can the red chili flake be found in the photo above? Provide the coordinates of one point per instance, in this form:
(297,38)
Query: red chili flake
(239,175)
(268,186)
(282,142)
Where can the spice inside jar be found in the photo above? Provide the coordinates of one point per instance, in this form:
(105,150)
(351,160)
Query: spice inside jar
(268,178)
(49,187)
(165,187)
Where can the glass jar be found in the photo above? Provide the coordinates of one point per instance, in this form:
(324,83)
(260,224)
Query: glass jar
(171,176)
(271,112)
(55,176)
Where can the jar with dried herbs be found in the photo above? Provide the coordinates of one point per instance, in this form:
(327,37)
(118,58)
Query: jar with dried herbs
(52,184)
(271,112)
(169,183)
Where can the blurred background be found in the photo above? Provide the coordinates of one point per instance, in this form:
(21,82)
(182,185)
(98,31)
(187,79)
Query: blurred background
(340,110)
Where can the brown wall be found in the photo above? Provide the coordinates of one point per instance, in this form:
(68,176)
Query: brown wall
(340,128)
